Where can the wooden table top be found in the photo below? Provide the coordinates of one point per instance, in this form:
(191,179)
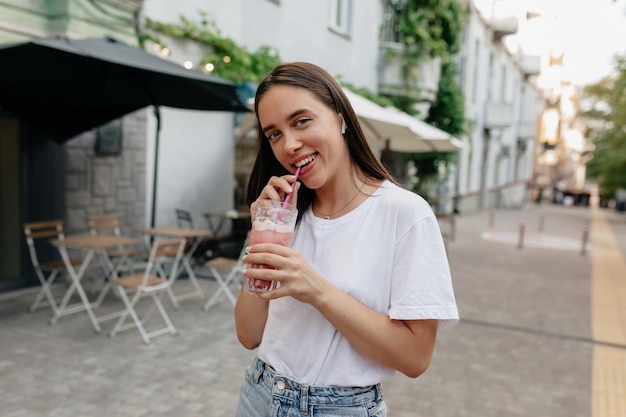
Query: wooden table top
(233,214)
(95,241)
(176,232)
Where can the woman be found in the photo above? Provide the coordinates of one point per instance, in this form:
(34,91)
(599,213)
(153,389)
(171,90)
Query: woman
(365,284)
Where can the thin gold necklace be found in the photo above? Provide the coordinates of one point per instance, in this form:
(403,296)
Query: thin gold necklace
(328,216)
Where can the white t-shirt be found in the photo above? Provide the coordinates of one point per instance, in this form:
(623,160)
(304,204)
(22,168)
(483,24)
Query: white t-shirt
(389,254)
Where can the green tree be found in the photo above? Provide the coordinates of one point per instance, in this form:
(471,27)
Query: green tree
(606,113)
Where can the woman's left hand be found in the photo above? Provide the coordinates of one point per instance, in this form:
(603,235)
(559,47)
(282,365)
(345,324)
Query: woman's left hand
(285,265)
(406,346)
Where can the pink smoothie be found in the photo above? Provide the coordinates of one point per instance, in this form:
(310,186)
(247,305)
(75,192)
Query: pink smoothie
(263,234)
(270,236)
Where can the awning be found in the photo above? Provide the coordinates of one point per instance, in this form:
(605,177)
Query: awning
(64,87)
(387,127)
(402,132)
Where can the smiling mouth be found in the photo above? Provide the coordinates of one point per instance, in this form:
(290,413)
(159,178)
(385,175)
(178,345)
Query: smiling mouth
(302,163)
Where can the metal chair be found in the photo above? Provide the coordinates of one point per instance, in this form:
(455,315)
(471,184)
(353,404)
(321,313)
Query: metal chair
(207,248)
(46,271)
(233,268)
(151,283)
(123,258)
(184,219)
(216,221)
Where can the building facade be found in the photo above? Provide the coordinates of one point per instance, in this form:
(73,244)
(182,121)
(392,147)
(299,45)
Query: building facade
(197,163)
(502,103)
(44,180)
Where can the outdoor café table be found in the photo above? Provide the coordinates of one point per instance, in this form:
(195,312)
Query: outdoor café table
(221,217)
(183,233)
(94,245)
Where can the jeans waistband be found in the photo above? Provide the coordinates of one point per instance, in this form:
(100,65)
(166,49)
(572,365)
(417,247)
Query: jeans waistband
(290,390)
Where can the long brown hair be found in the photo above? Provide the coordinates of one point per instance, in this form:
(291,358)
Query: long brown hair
(319,82)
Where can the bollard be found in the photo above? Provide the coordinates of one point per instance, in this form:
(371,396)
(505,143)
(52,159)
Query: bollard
(520,244)
(583,249)
(541,222)
(492,216)
(452,228)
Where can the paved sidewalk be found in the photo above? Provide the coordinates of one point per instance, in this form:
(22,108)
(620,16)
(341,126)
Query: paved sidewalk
(525,346)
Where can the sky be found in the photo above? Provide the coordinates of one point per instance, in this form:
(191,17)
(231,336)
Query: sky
(590,32)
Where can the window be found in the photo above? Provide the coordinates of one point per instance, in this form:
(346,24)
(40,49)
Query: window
(394,10)
(490,78)
(462,61)
(340,15)
(503,84)
(476,69)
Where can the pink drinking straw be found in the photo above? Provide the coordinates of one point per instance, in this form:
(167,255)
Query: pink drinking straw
(280,215)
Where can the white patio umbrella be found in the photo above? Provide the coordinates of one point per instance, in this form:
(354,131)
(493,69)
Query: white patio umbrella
(387,128)
(399,131)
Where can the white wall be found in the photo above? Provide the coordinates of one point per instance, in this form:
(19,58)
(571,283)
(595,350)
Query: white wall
(197,148)
(297,28)
(196,159)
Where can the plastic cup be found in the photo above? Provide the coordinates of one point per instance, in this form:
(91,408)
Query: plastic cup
(272,222)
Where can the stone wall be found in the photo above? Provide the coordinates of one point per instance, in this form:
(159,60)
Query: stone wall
(108,184)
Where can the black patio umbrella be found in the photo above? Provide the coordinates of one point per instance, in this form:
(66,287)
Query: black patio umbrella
(63,87)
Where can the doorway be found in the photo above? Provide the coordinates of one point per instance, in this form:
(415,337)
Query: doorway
(10,209)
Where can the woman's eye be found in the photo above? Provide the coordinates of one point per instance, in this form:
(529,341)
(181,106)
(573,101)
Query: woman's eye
(272,135)
(302,122)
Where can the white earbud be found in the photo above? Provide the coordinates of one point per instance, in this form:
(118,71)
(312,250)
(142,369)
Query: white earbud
(343,124)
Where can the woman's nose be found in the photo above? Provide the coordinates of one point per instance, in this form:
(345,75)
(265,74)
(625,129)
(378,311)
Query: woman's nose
(292,143)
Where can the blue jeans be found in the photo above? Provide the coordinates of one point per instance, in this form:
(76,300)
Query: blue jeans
(265,393)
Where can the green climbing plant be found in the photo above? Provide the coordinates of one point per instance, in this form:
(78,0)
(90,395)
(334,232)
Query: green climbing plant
(225,58)
(430,29)
(426,29)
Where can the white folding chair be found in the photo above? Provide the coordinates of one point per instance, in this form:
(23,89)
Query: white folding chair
(123,258)
(34,232)
(149,284)
(205,247)
(217,266)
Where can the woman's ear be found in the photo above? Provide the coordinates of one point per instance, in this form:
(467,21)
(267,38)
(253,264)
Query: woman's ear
(343,124)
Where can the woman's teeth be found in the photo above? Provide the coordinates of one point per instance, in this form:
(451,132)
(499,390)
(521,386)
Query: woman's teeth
(305,161)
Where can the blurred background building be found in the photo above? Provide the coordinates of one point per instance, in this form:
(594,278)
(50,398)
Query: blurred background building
(520,133)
